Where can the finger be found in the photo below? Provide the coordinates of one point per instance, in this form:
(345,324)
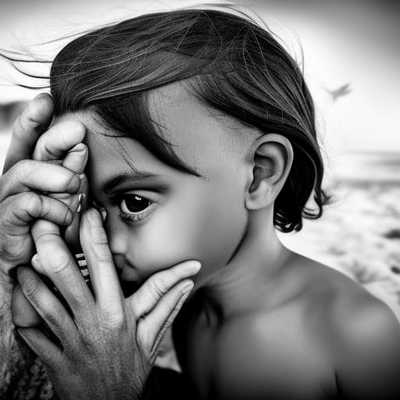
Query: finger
(46,304)
(41,176)
(22,311)
(101,266)
(58,140)
(151,328)
(71,233)
(56,262)
(43,347)
(23,208)
(148,295)
(76,158)
(27,128)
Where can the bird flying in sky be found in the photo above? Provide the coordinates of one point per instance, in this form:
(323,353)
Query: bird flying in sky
(340,91)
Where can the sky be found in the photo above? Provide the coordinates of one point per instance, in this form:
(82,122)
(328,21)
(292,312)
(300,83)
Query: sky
(353,43)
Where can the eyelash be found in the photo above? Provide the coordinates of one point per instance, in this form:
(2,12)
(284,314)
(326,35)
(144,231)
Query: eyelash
(132,217)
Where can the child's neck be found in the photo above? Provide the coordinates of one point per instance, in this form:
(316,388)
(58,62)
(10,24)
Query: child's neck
(258,267)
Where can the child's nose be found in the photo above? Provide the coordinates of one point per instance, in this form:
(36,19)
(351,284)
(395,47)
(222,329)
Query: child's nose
(117,234)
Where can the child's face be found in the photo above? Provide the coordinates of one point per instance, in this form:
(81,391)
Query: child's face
(181,216)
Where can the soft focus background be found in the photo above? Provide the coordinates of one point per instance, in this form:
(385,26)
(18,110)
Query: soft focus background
(350,55)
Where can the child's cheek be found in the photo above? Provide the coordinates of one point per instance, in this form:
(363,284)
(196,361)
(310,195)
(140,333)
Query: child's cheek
(208,231)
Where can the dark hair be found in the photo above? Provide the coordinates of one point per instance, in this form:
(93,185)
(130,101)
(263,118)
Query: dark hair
(232,64)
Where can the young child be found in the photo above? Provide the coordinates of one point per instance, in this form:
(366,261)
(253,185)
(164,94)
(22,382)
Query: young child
(202,143)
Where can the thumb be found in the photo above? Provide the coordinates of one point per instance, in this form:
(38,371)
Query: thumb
(151,329)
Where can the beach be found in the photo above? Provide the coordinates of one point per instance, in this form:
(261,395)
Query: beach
(359,232)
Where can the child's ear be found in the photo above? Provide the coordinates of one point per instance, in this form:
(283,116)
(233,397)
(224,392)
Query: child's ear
(272,158)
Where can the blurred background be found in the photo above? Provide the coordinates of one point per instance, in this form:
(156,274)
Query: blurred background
(350,55)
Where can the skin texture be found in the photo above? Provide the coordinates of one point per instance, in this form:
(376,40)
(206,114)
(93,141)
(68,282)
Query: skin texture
(265,288)
(284,328)
(104,325)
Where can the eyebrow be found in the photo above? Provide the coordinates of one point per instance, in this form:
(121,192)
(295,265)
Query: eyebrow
(139,176)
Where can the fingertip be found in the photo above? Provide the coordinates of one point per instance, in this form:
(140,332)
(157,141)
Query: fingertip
(21,272)
(35,259)
(93,216)
(186,286)
(80,147)
(192,266)
(42,106)
(44,97)
(77,127)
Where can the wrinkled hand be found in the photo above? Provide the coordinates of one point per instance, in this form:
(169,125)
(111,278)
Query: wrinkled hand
(38,192)
(107,343)
(25,184)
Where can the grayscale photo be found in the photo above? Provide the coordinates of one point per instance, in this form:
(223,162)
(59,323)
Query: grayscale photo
(199,200)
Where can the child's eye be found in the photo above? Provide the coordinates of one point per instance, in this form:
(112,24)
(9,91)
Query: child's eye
(134,207)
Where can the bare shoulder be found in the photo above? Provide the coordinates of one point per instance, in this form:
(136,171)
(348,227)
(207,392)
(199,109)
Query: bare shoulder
(282,352)
(330,337)
(365,338)
(362,335)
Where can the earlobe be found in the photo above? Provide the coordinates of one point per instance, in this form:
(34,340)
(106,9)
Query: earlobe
(272,156)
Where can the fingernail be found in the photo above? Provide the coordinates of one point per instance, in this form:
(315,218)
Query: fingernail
(187,286)
(41,95)
(92,216)
(80,147)
(35,260)
(193,266)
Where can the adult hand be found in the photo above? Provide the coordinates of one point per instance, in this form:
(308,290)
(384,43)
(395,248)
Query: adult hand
(60,145)
(106,343)
(24,188)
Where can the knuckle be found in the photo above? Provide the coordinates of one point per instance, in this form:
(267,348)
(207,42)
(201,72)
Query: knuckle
(45,236)
(31,202)
(157,285)
(143,337)
(30,286)
(103,256)
(51,316)
(99,236)
(113,320)
(22,169)
(60,262)
(102,253)
(46,151)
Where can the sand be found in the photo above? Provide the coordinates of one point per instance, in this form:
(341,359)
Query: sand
(358,234)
